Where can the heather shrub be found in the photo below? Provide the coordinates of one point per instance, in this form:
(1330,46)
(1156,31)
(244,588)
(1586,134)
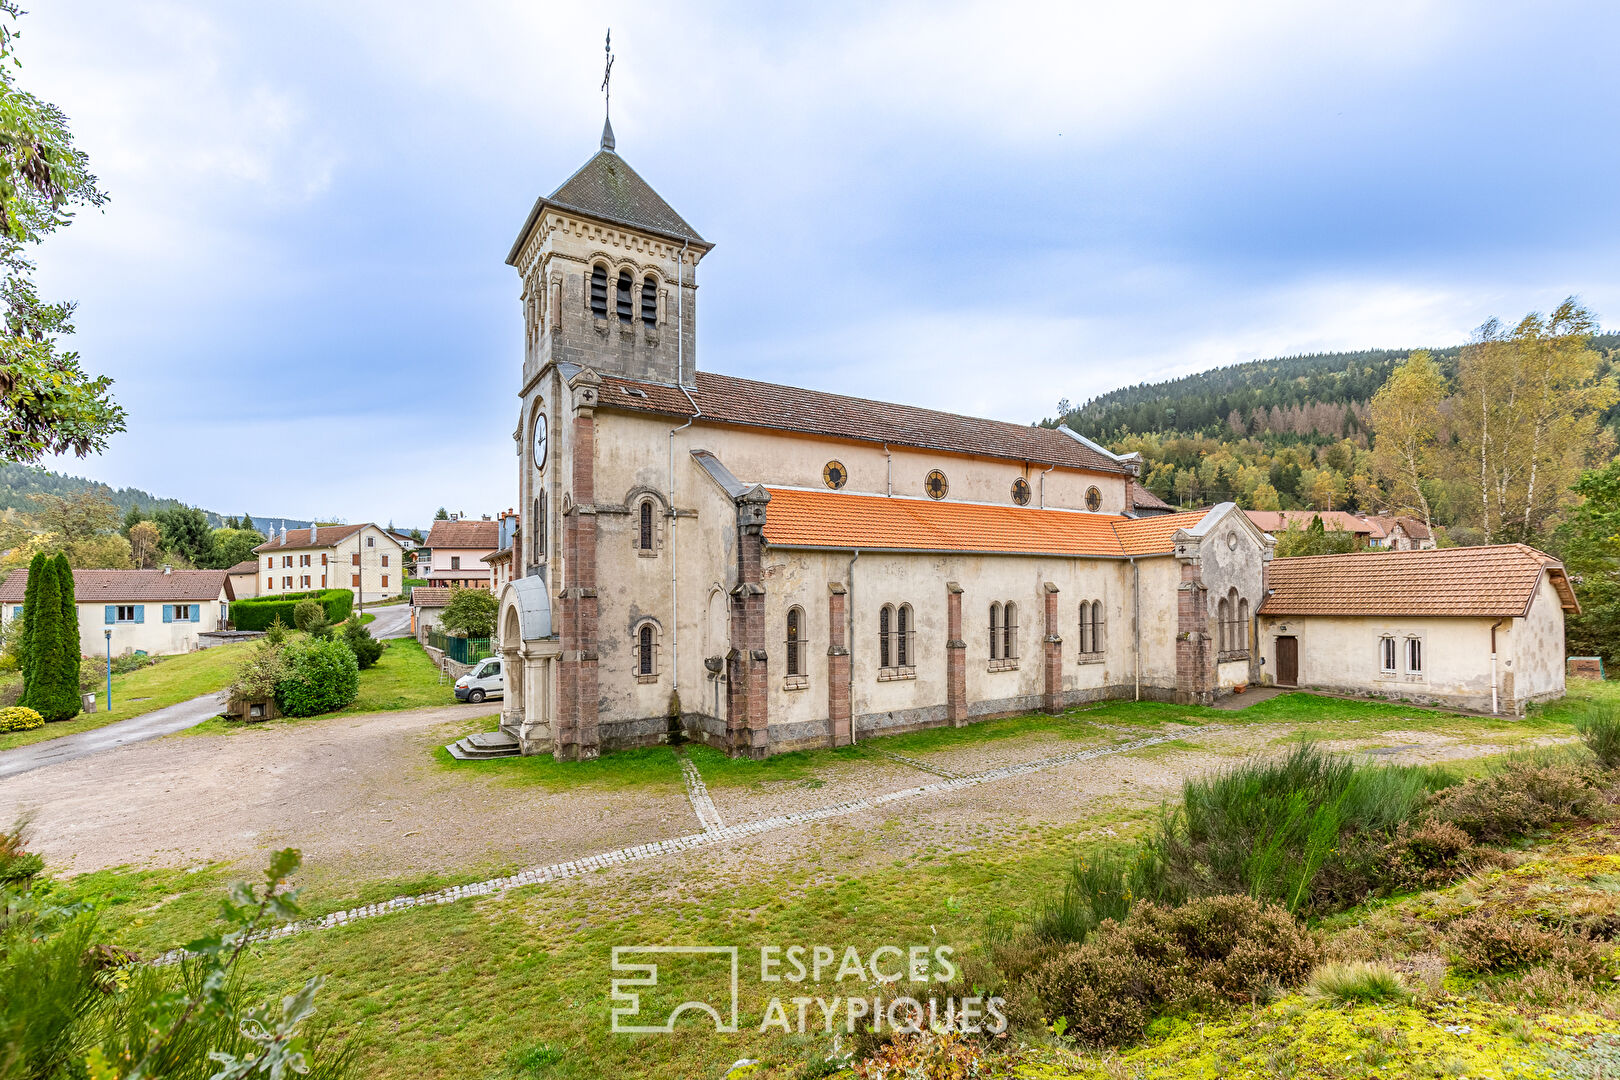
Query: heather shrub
(1219,950)
(1096,889)
(322,676)
(1523,796)
(1482,945)
(20,718)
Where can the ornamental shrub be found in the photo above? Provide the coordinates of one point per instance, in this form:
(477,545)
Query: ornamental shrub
(367,649)
(307,614)
(322,676)
(20,718)
(260,673)
(259,612)
(25,633)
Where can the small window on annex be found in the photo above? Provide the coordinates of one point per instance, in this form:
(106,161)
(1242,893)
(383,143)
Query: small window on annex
(1386,655)
(795,644)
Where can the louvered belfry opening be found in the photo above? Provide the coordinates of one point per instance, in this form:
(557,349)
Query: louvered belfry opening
(626,308)
(649,302)
(599,291)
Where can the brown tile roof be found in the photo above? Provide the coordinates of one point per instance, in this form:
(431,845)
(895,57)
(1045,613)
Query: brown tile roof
(246,566)
(796,518)
(325,536)
(1498,581)
(1276,521)
(1143,499)
(608,189)
(430,596)
(124,586)
(1386,524)
(727,399)
(464,535)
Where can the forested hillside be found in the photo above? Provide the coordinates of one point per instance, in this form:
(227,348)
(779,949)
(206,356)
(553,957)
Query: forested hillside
(1321,396)
(18,482)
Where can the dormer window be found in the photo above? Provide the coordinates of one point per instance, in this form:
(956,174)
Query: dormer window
(649,302)
(625,306)
(599,291)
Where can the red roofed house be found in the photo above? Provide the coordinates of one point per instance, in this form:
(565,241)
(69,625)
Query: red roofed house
(765,567)
(158,612)
(458,549)
(364,559)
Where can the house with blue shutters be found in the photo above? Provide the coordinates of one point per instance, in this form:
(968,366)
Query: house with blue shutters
(158,612)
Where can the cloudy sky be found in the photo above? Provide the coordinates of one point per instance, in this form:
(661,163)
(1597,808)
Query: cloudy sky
(299,285)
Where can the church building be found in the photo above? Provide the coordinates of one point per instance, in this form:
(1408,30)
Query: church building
(764,568)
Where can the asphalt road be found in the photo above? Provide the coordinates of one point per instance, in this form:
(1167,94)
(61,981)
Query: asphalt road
(393,620)
(136,729)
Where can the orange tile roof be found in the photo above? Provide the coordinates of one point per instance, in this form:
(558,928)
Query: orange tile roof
(123,586)
(829,519)
(1154,535)
(1497,581)
(1277,521)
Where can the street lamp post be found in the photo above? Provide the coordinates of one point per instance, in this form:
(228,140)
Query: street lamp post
(108,633)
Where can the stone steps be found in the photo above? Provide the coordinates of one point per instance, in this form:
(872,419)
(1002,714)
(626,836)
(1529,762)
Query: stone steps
(483,745)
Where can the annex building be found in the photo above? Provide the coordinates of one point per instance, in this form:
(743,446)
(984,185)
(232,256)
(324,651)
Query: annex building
(763,568)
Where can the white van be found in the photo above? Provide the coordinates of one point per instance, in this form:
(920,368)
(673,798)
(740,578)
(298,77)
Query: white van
(481,682)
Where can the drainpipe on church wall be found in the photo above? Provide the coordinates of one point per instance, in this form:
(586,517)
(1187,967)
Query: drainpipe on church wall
(1494,702)
(674,578)
(1048,469)
(888,472)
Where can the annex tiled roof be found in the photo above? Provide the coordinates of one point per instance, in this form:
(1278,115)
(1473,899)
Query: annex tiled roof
(246,566)
(325,536)
(727,399)
(1276,521)
(1143,499)
(608,189)
(796,518)
(127,586)
(430,596)
(464,535)
(1497,581)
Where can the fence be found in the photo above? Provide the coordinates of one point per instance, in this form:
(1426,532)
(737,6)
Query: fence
(461,650)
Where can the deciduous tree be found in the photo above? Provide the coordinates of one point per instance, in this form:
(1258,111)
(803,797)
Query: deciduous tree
(1406,423)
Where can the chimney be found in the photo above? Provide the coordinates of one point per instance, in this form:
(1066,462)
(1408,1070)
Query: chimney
(167,569)
(312,534)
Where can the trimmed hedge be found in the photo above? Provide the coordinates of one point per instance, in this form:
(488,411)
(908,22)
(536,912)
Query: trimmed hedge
(258,613)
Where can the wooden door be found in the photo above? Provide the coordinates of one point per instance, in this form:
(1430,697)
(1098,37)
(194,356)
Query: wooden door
(1287,661)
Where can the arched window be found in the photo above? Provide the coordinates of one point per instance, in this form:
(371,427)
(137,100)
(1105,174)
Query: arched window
(1414,656)
(1223,619)
(649,301)
(995,631)
(1085,626)
(1386,655)
(599,291)
(1009,632)
(646,651)
(644,539)
(795,627)
(902,640)
(540,526)
(885,621)
(626,303)
(1243,625)
(1097,626)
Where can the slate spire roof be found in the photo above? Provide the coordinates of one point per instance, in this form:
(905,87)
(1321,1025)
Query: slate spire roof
(608,189)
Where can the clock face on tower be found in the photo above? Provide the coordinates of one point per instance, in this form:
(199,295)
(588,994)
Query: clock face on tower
(540,441)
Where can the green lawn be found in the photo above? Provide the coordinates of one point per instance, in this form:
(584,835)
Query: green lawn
(169,681)
(518,985)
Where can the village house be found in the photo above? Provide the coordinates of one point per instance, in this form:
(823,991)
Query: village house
(364,559)
(457,549)
(158,612)
(762,567)
(1477,627)
(427,606)
(242,580)
(1400,533)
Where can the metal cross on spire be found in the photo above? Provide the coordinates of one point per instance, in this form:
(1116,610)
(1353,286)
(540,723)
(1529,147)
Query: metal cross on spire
(607,93)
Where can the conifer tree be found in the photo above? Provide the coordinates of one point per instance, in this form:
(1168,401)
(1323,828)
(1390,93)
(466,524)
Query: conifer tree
(25,635)
(52,678)
(72,656)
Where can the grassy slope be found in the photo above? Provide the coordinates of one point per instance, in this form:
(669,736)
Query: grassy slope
(169,681)
(457,989)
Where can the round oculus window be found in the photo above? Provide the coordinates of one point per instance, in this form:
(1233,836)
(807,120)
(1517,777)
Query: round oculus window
(541,443)
(834,475)
(1020,491)
(1231,541)
(1093,499)
(936,485)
